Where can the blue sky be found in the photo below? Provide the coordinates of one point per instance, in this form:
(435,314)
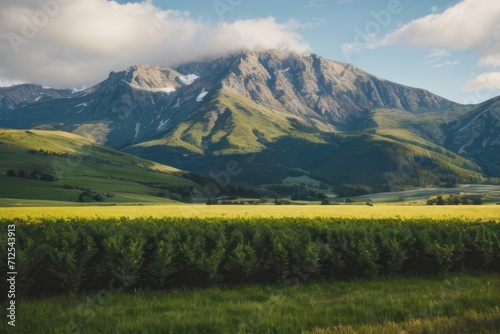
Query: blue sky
(450,47)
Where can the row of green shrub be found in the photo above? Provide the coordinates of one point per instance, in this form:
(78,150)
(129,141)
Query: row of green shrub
(56,256)
(452,199)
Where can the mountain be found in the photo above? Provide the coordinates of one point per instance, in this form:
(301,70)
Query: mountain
(16,96)
(477,135)
(60,166)
(290,90)
(279,115)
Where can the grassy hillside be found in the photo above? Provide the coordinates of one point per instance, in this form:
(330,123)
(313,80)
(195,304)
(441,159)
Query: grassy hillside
(232,124)
(427,129)
(69,162)
(391,164)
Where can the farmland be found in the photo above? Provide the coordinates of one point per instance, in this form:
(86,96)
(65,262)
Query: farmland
(66,210)
(253,275)
(319,269)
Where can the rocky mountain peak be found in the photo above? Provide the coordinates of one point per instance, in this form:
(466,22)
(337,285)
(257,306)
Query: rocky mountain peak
(145,77)
(312,86)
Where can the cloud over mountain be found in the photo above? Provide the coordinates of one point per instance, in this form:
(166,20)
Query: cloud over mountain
(469,25)
(65,43)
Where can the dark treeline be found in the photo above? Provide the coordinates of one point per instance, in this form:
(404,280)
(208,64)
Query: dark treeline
(35,175)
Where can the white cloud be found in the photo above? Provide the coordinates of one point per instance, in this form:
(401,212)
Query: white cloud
(85,39)
(464,25)
(434,9)
(446,63)
(470,24)
(436,55)
(315,4)
(7,83)
(489,80)
(295,23)
(492,60)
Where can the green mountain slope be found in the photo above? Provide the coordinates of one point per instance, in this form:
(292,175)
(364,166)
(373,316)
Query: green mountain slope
(385,164)
(233,124)
(388,149)
(60,166)
(470,132)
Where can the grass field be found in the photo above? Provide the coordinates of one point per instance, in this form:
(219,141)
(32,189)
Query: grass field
(484,212)
(450,304)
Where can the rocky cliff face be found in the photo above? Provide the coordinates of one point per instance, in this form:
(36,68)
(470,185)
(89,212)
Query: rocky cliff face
(309,85)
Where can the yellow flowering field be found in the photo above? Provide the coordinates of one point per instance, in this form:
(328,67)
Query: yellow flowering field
(485,212)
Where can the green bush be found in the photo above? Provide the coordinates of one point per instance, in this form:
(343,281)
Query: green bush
(77,256)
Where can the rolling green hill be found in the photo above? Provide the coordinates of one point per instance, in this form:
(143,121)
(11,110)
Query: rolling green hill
(59,166)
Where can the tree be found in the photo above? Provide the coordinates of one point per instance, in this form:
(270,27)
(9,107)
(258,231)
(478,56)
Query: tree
(48,177)
(11,172)
(99,197)
(440,201)
(86,196)
(212,201)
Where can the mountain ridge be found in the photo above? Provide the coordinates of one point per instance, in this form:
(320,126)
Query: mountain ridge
(274,104)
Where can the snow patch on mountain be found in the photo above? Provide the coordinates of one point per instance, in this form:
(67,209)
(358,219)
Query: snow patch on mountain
(76,90)
(166,89)
(202,95)
(137,129)
(163,125)
(84,104)
(178,103)
(188,79)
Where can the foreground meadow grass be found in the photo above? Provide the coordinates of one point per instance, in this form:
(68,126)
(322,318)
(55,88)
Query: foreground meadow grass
(449,304)
(484,212)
